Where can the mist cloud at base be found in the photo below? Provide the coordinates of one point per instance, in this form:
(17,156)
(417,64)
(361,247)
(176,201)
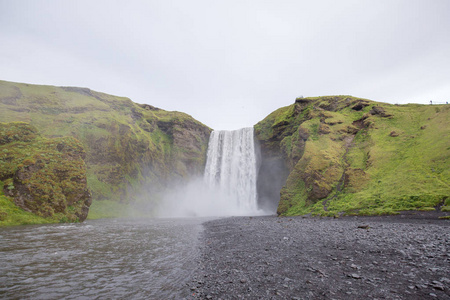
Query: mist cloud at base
(196,199)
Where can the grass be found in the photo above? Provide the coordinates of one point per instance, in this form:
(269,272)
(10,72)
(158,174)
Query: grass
(10,214)
(128,146)
(107,209)
(48,175)
(362,170)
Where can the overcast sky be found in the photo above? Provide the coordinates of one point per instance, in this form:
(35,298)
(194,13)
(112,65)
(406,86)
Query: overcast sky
(230,63)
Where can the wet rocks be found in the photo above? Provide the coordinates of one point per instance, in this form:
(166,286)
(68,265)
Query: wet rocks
(437,285)
(298,258)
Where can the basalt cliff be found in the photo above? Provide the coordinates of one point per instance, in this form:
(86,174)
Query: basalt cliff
(341,155)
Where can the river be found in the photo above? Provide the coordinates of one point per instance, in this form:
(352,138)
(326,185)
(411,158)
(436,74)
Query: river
(108,259)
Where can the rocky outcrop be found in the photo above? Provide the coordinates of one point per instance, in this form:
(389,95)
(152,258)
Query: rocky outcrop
(44,176)
(345,155)
(133,151)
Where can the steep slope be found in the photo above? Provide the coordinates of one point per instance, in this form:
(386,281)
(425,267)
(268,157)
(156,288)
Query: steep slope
(46,177)
(346,155)
(133,151)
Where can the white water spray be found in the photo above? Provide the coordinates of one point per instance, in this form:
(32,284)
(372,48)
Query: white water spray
(228,186)
(231,168)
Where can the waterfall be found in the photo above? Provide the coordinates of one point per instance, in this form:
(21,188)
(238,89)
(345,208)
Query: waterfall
(231,167)
(228,186)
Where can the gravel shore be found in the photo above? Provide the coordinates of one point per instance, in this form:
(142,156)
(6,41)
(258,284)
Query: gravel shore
(312,258)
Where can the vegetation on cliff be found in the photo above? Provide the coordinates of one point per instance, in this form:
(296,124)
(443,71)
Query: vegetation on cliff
(347,155)
(133,151)
(339,154)
(42,180)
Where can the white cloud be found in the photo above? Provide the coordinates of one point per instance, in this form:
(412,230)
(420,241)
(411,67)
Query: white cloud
(230,63)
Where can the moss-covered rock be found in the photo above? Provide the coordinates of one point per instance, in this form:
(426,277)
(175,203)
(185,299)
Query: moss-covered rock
(341,155)
(46,177)
(133,151)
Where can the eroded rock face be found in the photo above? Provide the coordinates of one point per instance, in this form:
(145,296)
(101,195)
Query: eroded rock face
(347,155)
(377,110)
(45,176)
(284,135)
(190,142)
(133,151)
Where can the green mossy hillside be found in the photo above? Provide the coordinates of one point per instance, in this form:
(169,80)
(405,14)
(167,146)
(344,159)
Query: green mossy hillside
(11,214)
(348,155)
(44,179)
(133,151)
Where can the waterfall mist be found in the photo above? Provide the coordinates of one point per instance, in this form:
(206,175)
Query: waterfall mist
(229,183)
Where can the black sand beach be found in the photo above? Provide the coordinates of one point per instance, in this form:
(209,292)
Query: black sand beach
(398,257)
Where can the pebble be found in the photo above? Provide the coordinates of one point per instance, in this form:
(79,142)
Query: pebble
(437,285)
(391,256)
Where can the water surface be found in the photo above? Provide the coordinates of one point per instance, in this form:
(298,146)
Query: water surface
(118,258)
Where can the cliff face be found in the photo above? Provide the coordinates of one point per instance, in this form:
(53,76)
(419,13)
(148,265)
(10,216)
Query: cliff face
(46,177)
(344,155)
(326,155)
(131,149)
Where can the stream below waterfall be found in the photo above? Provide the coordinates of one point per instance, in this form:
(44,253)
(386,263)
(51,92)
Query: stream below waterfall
(108,259)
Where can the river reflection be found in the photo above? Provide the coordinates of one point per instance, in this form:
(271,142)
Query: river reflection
(137,259)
